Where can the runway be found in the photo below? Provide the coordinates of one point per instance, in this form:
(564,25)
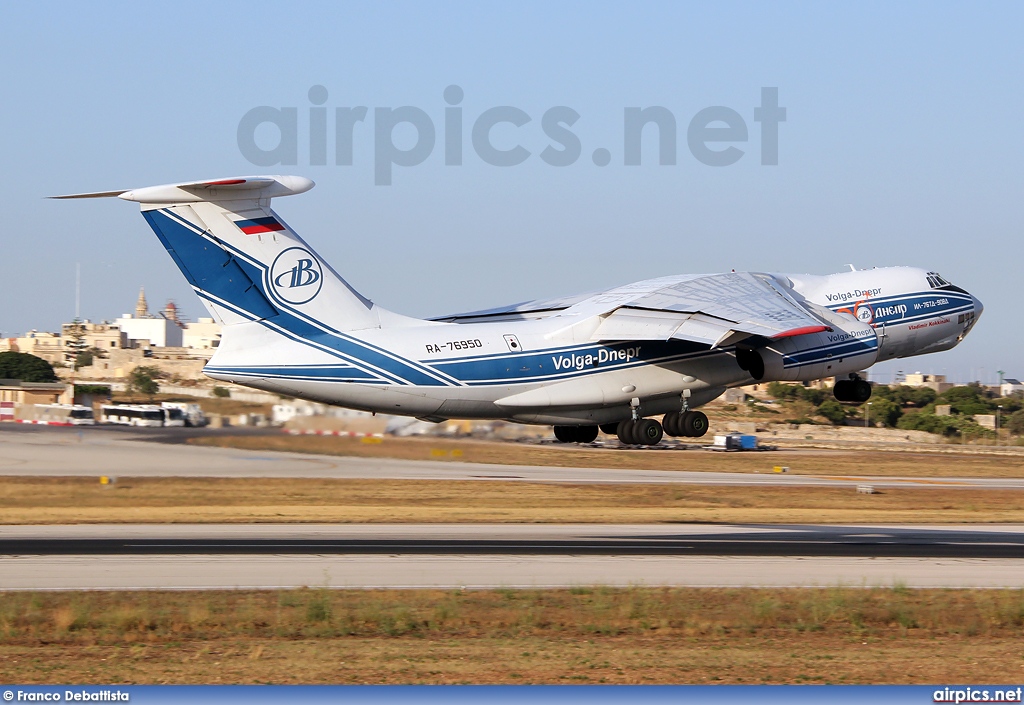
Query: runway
(67,452)
(495,556)
(967,541)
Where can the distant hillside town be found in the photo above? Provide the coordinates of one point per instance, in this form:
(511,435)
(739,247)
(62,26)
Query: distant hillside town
(111,350)
(139,354)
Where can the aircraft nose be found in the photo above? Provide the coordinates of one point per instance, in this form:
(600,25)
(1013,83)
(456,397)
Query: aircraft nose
(978,307)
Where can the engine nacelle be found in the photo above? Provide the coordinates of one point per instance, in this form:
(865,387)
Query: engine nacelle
(851,346)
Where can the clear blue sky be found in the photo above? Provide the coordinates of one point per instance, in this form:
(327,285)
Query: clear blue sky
(903,144)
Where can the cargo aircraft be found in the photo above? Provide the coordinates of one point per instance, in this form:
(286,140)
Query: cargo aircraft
(609,360)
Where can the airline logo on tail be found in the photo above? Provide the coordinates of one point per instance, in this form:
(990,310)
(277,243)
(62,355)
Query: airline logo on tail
(296,276)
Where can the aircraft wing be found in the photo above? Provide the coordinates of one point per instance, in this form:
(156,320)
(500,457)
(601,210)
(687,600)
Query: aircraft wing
(716,310)
(521,311)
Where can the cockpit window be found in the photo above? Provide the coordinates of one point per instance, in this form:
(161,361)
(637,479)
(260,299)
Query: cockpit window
(935,281)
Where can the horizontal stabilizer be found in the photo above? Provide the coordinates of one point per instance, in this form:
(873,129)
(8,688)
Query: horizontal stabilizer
(229,189)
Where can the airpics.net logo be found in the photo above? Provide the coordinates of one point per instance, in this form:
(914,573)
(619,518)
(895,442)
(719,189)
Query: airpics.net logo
(269,136)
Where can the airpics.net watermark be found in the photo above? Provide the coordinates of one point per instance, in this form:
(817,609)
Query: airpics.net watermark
(711,134)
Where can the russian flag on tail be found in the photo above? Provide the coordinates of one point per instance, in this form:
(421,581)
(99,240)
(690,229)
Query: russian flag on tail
(259,225)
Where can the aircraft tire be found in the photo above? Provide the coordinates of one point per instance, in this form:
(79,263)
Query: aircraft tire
(565,434)
(648,432)
(694,424)
(671,424)
(609,428)
(586,434)
(861,390)
(625,432)
(841,390)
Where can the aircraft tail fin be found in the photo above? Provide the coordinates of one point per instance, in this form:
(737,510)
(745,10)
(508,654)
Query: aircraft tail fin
(242,259)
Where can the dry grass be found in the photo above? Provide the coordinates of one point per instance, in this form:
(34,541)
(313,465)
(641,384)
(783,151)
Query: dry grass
(804,462)
(837,635)
(199,500)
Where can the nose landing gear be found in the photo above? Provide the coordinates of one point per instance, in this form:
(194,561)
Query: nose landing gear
(854,389)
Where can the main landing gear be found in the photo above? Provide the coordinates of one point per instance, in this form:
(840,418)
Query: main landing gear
(854,389)
(648,432)
(639,431)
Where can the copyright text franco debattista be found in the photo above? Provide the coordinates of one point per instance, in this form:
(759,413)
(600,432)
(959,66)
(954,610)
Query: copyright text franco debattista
(69,696)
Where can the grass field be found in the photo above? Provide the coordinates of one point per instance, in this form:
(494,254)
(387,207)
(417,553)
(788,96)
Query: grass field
(950,463)
(638,635)
(184,500)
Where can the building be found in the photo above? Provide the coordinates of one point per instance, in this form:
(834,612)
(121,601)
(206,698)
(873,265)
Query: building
(201,335)
(936,382)
(1010,386)
(16,392)
(144,330)
(45,345)
(85,335)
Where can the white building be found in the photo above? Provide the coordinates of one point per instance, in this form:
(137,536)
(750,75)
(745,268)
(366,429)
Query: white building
(1010,386)
(201,335)
(145,330)
(150,332)
(936,382)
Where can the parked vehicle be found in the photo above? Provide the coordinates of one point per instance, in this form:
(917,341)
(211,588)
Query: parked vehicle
(57,415)
(132,414)
(191,413)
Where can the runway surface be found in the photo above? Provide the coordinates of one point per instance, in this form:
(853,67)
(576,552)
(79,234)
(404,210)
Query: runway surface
(494,556)
(967,541)
(93,452)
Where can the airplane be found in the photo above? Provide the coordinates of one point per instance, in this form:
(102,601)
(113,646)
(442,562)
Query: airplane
(607,361)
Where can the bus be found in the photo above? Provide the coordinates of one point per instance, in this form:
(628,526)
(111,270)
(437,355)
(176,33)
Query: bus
(132,414)
(59,415)
(192,413)
(173,416)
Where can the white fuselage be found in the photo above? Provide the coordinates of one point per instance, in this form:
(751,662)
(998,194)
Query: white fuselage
(545,369)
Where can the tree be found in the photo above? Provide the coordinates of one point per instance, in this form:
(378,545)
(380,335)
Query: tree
(27,368)
(833,411)
(783,391)
(142,380)
(76,344)
(1015,422)
(221,392)
(919,396)
(885,411)
(967,400)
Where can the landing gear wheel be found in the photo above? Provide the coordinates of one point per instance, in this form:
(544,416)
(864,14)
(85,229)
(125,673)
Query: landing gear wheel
(565,434)
(609,428)
(861,390)
(671,424)
(841,390)
(694,424)
(648,432)
(625,432)
(575,434)
(855,390)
